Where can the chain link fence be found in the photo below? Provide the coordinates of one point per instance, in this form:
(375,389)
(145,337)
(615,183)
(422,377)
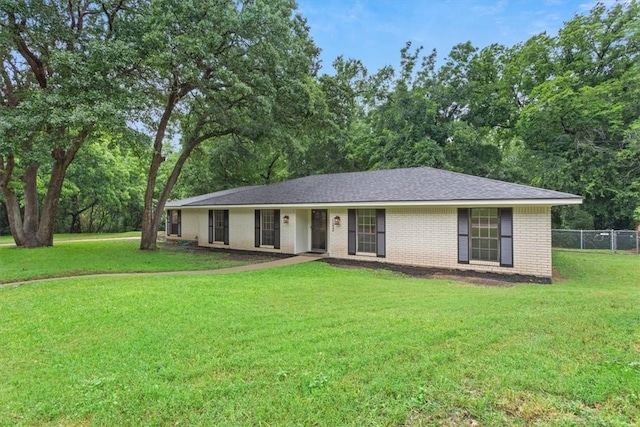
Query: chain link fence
(612,240)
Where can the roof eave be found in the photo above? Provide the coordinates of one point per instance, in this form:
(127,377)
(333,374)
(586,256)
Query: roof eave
(414,203)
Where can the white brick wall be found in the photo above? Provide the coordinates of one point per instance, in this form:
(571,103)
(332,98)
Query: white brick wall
(414,236)
(189,219)
(428,237)
(288,232)
(242,230)
(337,245)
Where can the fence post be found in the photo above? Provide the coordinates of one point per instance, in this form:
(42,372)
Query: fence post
(581,239)
(613,241)
(637,242)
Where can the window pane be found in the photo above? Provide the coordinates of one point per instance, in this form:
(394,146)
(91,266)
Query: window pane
(485,234)
(366,220)
(219,225)
(267,227)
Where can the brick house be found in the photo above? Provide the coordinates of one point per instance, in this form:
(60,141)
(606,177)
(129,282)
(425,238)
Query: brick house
(417,216)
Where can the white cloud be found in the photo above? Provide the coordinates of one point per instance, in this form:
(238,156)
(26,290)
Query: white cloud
(492,9)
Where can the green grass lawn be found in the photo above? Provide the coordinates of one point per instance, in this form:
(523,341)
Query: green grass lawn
(79,258)
(83,236)
(312,344)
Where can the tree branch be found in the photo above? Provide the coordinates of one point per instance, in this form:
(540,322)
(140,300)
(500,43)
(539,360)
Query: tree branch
(36,65)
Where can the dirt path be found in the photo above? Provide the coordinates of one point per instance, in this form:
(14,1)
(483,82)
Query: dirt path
(239,269)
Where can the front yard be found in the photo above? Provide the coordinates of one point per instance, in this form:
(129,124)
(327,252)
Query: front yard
(317,345)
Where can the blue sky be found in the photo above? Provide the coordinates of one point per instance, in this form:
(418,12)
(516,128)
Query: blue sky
(374,31)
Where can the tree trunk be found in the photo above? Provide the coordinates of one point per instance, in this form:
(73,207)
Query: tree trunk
(31,203)
(76,226)
(149,221)
(24,231)
(152,215)
(36,229)
(14,216)
(76,215)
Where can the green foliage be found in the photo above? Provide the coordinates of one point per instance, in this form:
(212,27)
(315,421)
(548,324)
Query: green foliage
(559,112)
(104,188)
(636,215)
(232,162)
(331,131)
(316,345)
(581,116)
(572,217)
(229,94)
(65,78)
(215,70)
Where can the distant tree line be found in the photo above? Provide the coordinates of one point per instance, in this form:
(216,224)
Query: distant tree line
(111,108)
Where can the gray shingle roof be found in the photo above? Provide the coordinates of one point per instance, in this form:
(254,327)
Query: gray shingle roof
(197,199)
(393,185)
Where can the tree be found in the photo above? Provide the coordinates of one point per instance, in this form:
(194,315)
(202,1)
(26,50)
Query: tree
(228,162)
(581,118)
(325,144)
(104,187)
(212,69)
(61,83)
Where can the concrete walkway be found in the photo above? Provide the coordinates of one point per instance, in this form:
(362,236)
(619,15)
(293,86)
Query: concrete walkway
(239,269)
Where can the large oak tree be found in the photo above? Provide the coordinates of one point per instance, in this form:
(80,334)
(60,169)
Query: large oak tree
(214,69)
(61,81)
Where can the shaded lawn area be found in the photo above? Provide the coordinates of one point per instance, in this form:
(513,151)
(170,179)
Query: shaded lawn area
(80,258)
(78,236)
(313,344)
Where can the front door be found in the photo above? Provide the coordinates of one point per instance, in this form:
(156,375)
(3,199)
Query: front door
(319,230)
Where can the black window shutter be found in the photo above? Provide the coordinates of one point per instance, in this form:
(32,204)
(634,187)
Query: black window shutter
(257,233)
(506,237)
(380,233)
(351,227)
(463,236)
(210,226)
(169,230)
(276,228)
(226,226)
(179,223)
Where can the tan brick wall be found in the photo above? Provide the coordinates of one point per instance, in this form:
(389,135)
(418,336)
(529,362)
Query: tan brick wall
(428,237)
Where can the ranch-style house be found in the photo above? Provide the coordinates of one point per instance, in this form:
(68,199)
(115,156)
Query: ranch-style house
(422,217)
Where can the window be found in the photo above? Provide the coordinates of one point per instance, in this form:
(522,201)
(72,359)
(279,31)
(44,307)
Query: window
(485,235)
(267,227)
(366,230)
(219,226)
(174,220)
(485,239)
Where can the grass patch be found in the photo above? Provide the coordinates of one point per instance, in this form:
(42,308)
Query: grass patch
(61,237)
(80,258)
(312,344)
